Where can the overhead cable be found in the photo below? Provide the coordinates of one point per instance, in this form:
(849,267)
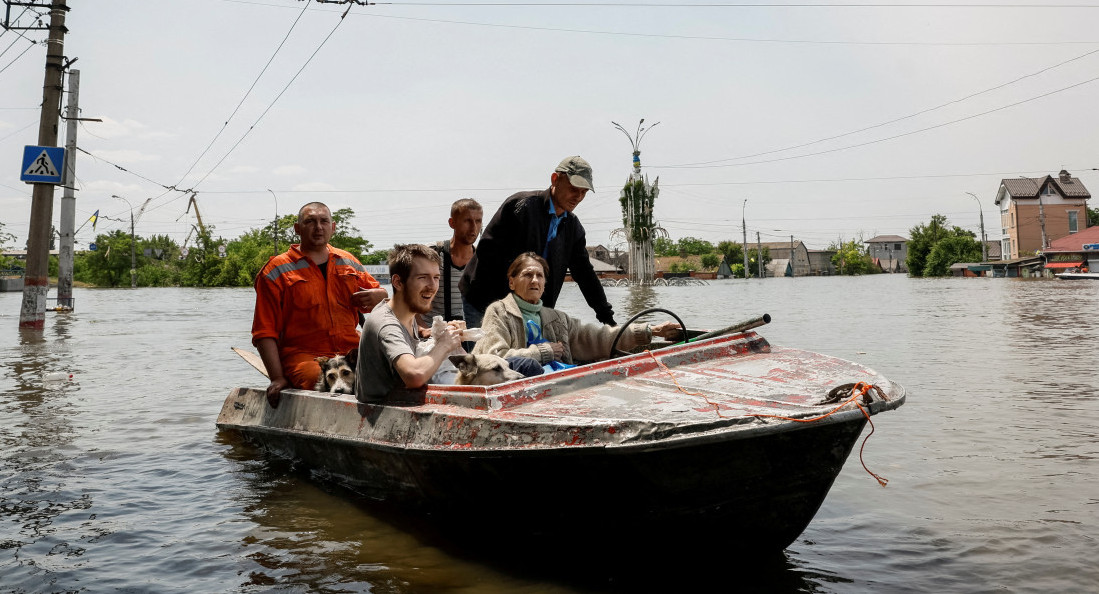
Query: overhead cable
(272,104)
(876,141)
(246,95)
(893,121)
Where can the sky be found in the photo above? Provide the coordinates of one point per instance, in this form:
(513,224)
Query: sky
(821,121)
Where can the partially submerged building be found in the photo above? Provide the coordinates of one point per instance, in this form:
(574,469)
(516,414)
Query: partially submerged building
(1034,212)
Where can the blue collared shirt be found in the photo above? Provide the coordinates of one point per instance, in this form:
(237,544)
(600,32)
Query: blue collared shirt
(555,221)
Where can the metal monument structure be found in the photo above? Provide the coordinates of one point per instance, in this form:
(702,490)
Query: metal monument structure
(638,226)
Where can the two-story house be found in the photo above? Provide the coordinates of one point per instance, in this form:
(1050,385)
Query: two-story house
(1036,211)
(889,252)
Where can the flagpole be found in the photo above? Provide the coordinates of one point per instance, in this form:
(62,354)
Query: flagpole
(92,219)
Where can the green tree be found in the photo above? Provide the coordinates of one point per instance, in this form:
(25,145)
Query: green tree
(376,257)
(7,262)
(693,246)
(202,266)
(1093,217)
(109,264)
(924,238)
(733,253)
(710,261)
(754,256)
(665,247)
(347,237)
(950,251)
(852,257)
(681,266)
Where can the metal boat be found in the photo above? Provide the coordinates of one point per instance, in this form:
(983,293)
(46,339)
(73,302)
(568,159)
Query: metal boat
(1078,276)
(723,436)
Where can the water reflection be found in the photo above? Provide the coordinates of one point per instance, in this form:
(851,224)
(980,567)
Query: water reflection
(640,298)
(37,486)
(116,480)
(311,532)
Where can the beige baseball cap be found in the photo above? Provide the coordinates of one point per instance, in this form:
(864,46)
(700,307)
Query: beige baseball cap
(578,170)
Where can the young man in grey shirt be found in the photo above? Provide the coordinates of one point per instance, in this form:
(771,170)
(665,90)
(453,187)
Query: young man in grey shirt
(387,349)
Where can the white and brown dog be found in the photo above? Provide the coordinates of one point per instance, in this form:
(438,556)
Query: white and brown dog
(483,370)
(338,373)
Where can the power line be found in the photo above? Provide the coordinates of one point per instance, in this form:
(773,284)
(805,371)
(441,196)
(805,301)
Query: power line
(894,137)
(895,120)
(16,59)
(729,39)
(246,95)
(717,5)
(261,116)
(690,37)
(7,136)
(135,174)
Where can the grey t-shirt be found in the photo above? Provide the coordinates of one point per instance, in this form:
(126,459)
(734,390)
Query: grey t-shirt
(384,339)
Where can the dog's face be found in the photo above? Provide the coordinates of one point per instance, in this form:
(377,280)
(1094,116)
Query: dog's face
(338,373)
(483,370)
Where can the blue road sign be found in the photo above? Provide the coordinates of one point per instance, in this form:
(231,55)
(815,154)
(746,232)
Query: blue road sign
(1090,247)
(42,164)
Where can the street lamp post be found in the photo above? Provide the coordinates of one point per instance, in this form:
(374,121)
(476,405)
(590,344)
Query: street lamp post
(275,235)
(984,244)
(133,245)
(744,229)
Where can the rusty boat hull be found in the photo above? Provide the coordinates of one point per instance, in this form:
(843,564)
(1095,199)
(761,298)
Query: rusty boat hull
(682,442)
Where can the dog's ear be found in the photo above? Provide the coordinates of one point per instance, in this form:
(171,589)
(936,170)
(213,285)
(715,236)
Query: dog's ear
(321,361)
(466,363)
(352,358)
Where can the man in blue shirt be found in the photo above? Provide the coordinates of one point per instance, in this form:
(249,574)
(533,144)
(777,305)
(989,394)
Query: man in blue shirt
(543,222)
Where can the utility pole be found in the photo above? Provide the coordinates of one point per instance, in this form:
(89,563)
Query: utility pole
(275,233)
(1042,220)
(984,243)
(32,312)
(759,255)
(744,230)
(133,241)
(68,197)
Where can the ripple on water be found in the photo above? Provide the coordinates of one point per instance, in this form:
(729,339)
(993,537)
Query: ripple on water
(118,480)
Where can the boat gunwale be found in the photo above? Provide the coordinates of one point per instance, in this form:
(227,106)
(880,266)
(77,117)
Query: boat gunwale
(724,429)
(516,393)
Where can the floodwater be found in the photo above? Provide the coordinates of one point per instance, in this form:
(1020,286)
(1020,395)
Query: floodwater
(118,481)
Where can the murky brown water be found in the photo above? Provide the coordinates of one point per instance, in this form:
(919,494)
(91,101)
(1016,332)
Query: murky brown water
(118,480)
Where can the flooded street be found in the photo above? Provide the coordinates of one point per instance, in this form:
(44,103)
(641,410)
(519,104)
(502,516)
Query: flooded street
(117,480)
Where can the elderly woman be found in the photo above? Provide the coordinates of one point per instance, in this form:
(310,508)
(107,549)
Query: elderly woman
(519,326)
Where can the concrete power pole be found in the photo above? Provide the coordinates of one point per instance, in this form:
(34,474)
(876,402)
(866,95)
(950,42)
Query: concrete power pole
(744,231)
(32,312)
(759,255)
(984,241)
(65,254)
(1042,220)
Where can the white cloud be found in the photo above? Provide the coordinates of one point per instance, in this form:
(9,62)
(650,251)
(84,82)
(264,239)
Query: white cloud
(110,128)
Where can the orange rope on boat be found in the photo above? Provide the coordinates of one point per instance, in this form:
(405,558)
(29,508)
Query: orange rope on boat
(717,408)
(857,391)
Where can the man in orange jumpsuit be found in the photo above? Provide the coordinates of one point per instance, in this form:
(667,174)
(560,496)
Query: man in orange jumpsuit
(308,301)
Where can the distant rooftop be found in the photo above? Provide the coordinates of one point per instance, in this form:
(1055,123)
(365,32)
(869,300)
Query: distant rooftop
(1029,187)
(887,239)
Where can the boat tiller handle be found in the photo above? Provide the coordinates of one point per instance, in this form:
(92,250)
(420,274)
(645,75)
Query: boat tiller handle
(735,328)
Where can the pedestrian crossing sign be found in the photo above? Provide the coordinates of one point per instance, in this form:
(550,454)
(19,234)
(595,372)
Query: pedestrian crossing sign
(43,164)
